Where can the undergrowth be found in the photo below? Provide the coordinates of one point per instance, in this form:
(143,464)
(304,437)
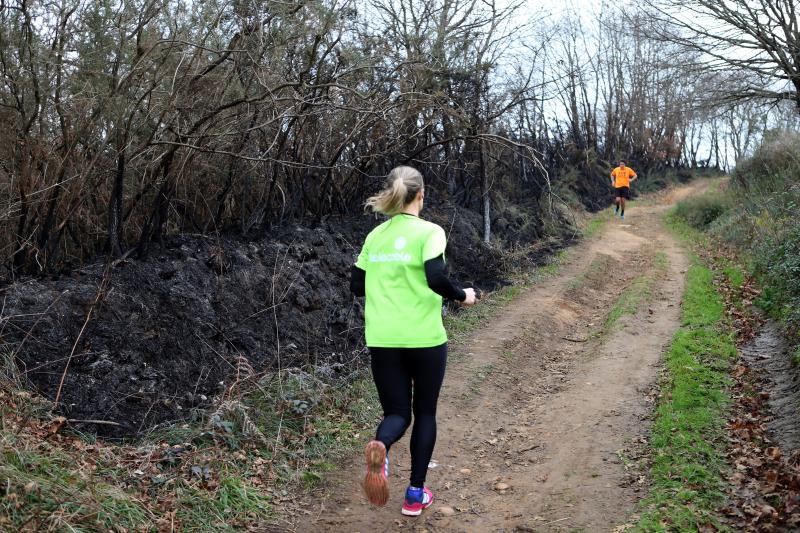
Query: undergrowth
(227,472)
(757,212)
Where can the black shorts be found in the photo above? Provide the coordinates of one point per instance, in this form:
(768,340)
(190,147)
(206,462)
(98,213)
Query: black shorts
(623,192)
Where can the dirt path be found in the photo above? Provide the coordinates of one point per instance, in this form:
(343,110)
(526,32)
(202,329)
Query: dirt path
(543,398)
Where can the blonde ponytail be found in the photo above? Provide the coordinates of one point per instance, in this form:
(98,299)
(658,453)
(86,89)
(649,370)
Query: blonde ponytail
(402,186)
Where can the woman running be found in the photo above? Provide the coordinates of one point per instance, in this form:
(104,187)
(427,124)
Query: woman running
(401,271)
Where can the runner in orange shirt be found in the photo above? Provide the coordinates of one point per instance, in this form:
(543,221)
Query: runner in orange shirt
(621,178)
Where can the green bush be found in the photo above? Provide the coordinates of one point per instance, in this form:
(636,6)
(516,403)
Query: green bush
(735,227)
(766,190)
(773,168)
(700,211)
(759,213)
(777,259)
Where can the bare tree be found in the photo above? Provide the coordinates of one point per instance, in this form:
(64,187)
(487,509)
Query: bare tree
(758,39)
(122,122)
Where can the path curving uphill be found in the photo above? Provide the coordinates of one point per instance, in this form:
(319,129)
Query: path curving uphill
(539,403)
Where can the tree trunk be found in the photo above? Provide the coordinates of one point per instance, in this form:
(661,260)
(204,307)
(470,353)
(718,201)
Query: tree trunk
(487,214)
(115,209)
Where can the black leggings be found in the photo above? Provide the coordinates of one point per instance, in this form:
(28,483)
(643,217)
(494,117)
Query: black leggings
(397,372)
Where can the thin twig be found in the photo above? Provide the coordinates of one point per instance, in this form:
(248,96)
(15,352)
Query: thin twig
(91,421)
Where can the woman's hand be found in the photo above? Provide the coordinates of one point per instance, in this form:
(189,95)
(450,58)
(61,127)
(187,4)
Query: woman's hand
(470,299)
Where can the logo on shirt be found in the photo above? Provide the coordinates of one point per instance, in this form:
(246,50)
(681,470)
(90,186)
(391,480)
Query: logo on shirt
(393,257)
(389,258)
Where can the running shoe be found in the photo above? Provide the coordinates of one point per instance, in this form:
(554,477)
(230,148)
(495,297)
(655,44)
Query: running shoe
(376,481)
(622,217)
(417,500)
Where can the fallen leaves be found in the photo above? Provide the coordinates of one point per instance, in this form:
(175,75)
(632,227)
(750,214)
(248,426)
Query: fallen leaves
(55,425)
(764,484)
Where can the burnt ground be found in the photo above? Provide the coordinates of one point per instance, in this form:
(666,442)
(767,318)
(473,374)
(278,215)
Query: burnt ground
(163,333)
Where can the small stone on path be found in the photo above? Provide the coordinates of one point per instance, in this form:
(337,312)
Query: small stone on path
(445,511)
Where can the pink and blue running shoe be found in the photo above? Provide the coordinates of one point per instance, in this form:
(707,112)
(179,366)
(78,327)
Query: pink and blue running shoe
(416,500)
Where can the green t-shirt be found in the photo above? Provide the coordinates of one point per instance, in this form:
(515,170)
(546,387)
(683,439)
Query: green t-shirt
(401,311)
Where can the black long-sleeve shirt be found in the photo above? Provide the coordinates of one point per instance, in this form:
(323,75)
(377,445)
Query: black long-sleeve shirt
(434,274)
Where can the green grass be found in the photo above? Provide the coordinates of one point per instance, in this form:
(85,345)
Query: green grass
(628,302)
(635,294)
(735,275)
(467,319)
(235,504)
(49,488)
(217,484)
(546,271)
(688,440)
(599,265)
(686,233)
(661,261)
(598,222)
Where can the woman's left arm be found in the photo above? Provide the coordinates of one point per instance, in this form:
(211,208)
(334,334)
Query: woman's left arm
(439,282)
(357,280)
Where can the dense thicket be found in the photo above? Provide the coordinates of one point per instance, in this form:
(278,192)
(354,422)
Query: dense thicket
(766,189)
(758,213)
(121,121)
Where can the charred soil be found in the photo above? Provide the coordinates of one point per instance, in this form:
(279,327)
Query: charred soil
(147,342)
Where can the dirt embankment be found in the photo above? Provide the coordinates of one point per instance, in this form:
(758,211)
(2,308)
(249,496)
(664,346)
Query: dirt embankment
(163,333)
(769,353)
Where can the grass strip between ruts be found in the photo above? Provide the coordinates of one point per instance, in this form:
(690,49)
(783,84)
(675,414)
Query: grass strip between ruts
(687,441)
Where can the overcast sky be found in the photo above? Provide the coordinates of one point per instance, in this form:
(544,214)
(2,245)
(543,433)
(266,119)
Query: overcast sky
(558,7)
